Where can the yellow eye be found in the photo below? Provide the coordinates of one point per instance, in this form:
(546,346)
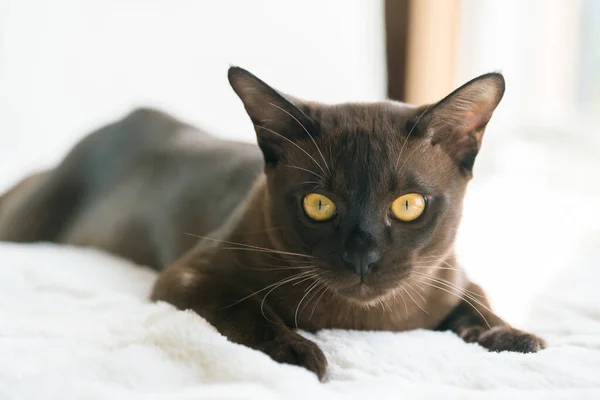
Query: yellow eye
(318,207)
(408,207)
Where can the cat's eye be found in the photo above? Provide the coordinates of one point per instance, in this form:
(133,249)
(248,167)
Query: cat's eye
(318,207)
(409,207)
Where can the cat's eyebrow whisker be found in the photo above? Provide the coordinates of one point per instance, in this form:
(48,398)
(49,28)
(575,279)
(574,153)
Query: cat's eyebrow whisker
(307,132)
(249,247)
(461,298)
(408,136)
(304,169)
(311,182)
(300,148)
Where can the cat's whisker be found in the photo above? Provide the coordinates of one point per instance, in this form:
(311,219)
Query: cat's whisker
(461,298)
(423,267)
(304,280)
(267,251)
(418,294)
(304,169)
(250,247)
(274,228)
(262,303)
(408,136)
(404,301)
(308,290)
(311,182)
(463,291)
(282,281)
(307,132)
(417,304)
(300,148)
(282,268)
(319,288)
(454,286)
(325,290)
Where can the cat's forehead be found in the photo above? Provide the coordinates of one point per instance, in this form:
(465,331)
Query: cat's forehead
(386,118)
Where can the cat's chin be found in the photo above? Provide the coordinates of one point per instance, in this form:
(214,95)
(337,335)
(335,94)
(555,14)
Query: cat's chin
(364,294)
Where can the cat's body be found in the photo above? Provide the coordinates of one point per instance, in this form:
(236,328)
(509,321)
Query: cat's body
(134,188)
(144,186)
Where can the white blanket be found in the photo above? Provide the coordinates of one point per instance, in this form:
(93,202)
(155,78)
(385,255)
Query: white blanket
(75,323)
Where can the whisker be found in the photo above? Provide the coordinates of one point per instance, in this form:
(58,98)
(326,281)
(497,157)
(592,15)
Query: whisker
(454,286)
(319,286)
(308,290)
(419,294)
(408,136)
(285,280)
(271,251)
(305,279)
(409,295)
(461,298)
(301,149)
(304,169)
(281,269)
(262,303)
(248,246)
(405,305)
(325,289)
(307,132)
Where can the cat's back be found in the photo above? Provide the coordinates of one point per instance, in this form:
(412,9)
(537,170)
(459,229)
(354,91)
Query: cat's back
(136,186)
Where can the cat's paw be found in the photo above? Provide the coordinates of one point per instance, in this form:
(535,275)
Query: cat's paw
(296,350)
(504,338)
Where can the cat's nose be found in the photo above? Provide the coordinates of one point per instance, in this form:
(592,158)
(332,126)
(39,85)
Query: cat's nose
(360,262)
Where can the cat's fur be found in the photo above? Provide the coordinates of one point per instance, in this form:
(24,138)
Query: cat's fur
(262,267)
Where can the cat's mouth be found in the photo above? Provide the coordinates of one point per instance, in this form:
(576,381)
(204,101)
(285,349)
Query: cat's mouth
(363,291)
(368,289)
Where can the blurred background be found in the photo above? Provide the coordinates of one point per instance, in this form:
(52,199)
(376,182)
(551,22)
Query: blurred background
(68,66)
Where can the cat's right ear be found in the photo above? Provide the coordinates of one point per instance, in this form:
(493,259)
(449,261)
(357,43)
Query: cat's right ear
(277,120)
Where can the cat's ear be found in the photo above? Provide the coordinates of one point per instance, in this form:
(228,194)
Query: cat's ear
(457,122)
(277,120)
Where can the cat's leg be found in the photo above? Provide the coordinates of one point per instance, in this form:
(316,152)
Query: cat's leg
(475,322)
(249,322)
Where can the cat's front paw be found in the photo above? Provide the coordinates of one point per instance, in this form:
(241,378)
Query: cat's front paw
(504,338)
(296,350)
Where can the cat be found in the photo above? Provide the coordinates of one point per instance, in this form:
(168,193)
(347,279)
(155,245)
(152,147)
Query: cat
(344,216)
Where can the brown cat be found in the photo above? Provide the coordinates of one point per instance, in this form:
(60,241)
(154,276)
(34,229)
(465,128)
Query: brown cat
(345,218)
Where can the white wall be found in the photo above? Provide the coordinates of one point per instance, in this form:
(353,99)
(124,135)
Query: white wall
(67,66)
(536,44)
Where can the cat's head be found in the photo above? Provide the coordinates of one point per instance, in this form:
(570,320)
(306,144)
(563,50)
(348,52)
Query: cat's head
(372,191)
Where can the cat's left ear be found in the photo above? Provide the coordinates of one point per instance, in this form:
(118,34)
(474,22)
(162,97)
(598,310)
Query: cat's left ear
(457,122)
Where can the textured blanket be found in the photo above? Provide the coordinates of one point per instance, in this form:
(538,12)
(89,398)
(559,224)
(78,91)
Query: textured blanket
(75,323)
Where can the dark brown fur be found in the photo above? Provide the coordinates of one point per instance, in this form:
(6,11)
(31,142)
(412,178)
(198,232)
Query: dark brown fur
(261,267)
